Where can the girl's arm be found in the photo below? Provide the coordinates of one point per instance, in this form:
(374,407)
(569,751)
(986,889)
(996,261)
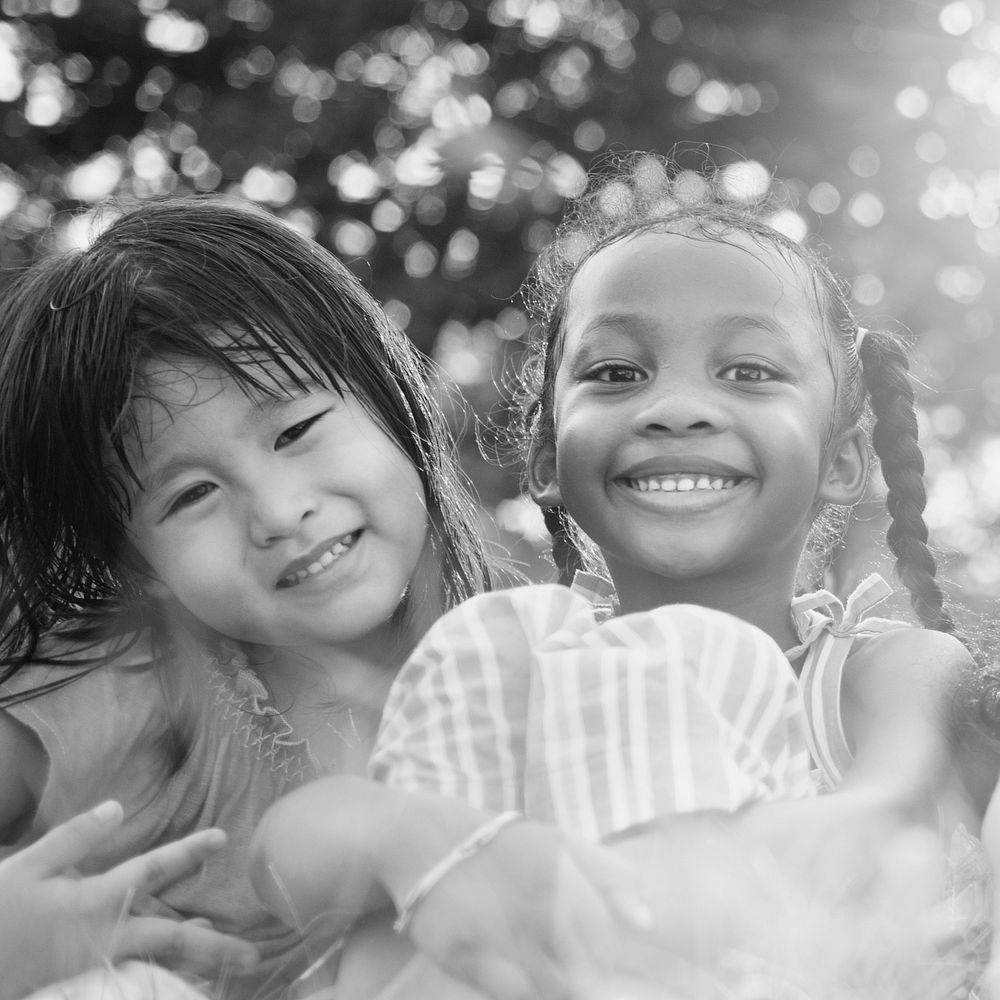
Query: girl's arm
(531,914)
(896,700)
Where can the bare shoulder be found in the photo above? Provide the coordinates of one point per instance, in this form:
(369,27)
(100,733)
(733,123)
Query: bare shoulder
(897,701)
(909,656)
(21,777)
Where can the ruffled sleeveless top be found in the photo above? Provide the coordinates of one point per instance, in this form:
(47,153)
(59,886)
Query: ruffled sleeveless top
(115,733)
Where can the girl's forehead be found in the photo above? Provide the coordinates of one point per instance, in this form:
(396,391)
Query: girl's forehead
(669,271)
(174,379)
(169,387)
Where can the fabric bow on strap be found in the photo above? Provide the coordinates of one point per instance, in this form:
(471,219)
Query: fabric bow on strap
(826,629)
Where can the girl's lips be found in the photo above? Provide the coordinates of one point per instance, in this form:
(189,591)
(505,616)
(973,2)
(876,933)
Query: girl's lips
(319,560)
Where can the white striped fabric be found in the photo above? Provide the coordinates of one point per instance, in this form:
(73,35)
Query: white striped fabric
(525,699)
(827,630)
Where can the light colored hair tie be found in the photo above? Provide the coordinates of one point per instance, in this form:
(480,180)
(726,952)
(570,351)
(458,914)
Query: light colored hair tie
(859,338)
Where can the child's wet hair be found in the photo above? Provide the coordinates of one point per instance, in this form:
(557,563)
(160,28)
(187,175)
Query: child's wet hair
(645,193)
(191,279)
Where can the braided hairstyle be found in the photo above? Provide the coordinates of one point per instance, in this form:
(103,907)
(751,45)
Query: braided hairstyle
(643,193)
(894,438)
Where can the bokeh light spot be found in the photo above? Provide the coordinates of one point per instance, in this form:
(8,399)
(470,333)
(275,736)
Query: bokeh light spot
(963,283)
(866,209)
(959,17)
(747,181)
(353,238)
(790,223)
(864,161)
(912,102)
(420,259)
(96,179)
(683,79)
(589,136)
(388,216)
(868,290)
(566,175)
(398,312)
(171,32)
(823,198)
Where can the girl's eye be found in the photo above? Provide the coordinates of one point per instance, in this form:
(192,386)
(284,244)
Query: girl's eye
(750,372)
(191,496)
(615,372)
(296,431)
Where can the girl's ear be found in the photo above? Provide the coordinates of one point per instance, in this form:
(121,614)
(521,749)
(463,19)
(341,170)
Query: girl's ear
(846,473)
(543,484)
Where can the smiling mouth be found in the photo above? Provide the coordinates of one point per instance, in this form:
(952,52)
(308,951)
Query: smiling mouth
(322,562)
(685,482)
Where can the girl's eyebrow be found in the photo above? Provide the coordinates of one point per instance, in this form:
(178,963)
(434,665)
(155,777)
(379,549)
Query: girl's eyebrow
(759,321)
(642,323)
(622,321)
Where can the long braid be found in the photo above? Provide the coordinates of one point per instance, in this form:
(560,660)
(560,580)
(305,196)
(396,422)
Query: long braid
(886,374)
(565,553)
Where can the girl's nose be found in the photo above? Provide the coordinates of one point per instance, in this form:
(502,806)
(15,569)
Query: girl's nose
(679,408)
(277,513)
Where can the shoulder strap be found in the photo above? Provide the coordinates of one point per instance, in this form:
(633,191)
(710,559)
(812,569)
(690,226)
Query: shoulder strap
(827,630)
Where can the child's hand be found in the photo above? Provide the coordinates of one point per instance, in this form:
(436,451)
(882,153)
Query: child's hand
(534,914)
(55,924)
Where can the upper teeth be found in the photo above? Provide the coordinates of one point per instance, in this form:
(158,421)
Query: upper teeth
(682,483)
(323,561)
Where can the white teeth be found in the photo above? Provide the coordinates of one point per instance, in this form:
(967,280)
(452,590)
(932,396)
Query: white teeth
(682,483)
(324,561)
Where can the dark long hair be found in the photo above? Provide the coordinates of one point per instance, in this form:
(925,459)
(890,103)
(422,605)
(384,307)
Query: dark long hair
(199,279)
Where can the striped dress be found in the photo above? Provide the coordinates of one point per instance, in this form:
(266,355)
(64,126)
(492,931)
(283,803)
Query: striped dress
(537,699)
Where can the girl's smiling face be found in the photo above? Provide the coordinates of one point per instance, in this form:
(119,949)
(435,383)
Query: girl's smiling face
(288,520)
(693,406)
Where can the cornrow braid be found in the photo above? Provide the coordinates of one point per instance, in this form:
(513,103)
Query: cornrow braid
(886,373)
(565,553)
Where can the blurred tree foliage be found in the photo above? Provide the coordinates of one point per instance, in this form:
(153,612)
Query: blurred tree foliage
(432,144)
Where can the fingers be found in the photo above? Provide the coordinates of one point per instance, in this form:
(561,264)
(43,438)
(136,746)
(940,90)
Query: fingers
(131,981)
(617,881)
(70,842)
(188,946)
(150,872)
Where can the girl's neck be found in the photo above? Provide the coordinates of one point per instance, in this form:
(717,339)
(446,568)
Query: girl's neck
(760,599)
(333,697)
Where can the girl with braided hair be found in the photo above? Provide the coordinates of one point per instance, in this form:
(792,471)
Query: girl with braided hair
(699,417)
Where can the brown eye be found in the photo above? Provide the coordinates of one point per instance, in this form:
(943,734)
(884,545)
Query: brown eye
(752,372)
(616,373)
(191,496)
(296,431)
